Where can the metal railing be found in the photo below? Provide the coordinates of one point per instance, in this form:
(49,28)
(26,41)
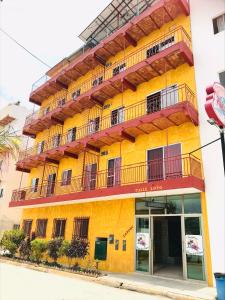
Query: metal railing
(157,102)
(149,50)
(155,170)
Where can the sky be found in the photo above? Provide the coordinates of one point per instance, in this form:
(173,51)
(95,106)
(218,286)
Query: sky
(47,28)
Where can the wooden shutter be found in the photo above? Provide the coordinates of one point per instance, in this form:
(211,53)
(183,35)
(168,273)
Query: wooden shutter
(155,164)
(87,177)
(117,170)
(173,161)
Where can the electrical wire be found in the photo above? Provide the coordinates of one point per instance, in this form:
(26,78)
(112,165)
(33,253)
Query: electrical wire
(15,41)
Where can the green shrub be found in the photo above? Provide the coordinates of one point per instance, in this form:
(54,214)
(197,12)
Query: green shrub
(63,250)
(11,240)
(25,248)
(53,248)
(38,248)
(78,248)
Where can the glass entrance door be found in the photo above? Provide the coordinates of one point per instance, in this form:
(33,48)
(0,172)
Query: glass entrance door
(143,244)
(193,252)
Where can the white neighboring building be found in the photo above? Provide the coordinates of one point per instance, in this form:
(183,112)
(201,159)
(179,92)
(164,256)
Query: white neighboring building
(208,38)
(12,117)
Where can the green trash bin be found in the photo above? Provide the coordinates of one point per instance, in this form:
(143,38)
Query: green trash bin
(100,248)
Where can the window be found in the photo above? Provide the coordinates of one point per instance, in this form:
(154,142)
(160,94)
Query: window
(27,224)
(93,125)
(162,99)
(119,69)
(117,116)
(56,140)
(164,162)
(71,135)
(97,81)
(81,228)
(66,177)
(61,102)
(59,228)
(160,46)
(222,78)
(90,177)
(16,226)
(34,184)
(76,94)
(1,192)
(41,226)
(46,111)
(114,172)
(51,184)
(40,147)
(219,24)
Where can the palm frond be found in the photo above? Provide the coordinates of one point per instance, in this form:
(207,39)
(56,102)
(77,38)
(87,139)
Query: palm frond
(9,144)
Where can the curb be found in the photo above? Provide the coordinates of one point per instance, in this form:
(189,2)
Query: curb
(104,280)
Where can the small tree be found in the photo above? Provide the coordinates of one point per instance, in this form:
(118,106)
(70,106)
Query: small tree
(53,249)
(11,240)
(38,248)
(79,248)
(64,250)
(25,248)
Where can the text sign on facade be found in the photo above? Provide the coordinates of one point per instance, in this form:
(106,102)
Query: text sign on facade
(155,204)
(215,103)
(194,245)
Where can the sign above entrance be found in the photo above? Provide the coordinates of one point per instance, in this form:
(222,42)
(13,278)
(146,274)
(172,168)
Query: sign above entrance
(155,204)
(215,103)
(194,245)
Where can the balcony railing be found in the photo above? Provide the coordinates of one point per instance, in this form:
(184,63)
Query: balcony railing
(159,170)
(164,42)
(167,98)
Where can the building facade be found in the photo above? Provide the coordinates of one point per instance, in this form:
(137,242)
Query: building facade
(112,159)
(210,68)
(12,118)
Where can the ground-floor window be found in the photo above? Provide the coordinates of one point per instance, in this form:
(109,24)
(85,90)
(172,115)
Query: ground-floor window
(59,226)
(81,228)
(41,226)
(169,238)
(27,224)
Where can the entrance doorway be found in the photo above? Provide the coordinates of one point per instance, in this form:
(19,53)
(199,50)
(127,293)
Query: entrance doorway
(169,239)
(167,246)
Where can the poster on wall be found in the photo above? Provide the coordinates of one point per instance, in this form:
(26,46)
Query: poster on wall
(194,245)
(142,241)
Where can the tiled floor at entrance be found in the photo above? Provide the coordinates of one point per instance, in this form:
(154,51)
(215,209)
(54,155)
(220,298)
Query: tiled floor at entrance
(169,271)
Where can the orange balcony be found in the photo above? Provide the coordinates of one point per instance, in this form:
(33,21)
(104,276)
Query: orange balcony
(151,19)
(154,177)
(154,59)
(170,107)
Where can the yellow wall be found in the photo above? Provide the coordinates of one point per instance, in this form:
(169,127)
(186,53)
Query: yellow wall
(106,217)
(109,217)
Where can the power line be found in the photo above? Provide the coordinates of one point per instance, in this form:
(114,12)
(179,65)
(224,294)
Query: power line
(15,41)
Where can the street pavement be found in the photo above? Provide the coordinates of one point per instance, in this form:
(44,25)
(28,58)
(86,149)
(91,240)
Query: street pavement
(18,283)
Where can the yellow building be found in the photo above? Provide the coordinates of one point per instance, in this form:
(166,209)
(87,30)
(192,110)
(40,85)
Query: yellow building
(114,136)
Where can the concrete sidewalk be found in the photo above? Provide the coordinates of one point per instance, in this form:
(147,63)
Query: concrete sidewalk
(171,288)
(152,285)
